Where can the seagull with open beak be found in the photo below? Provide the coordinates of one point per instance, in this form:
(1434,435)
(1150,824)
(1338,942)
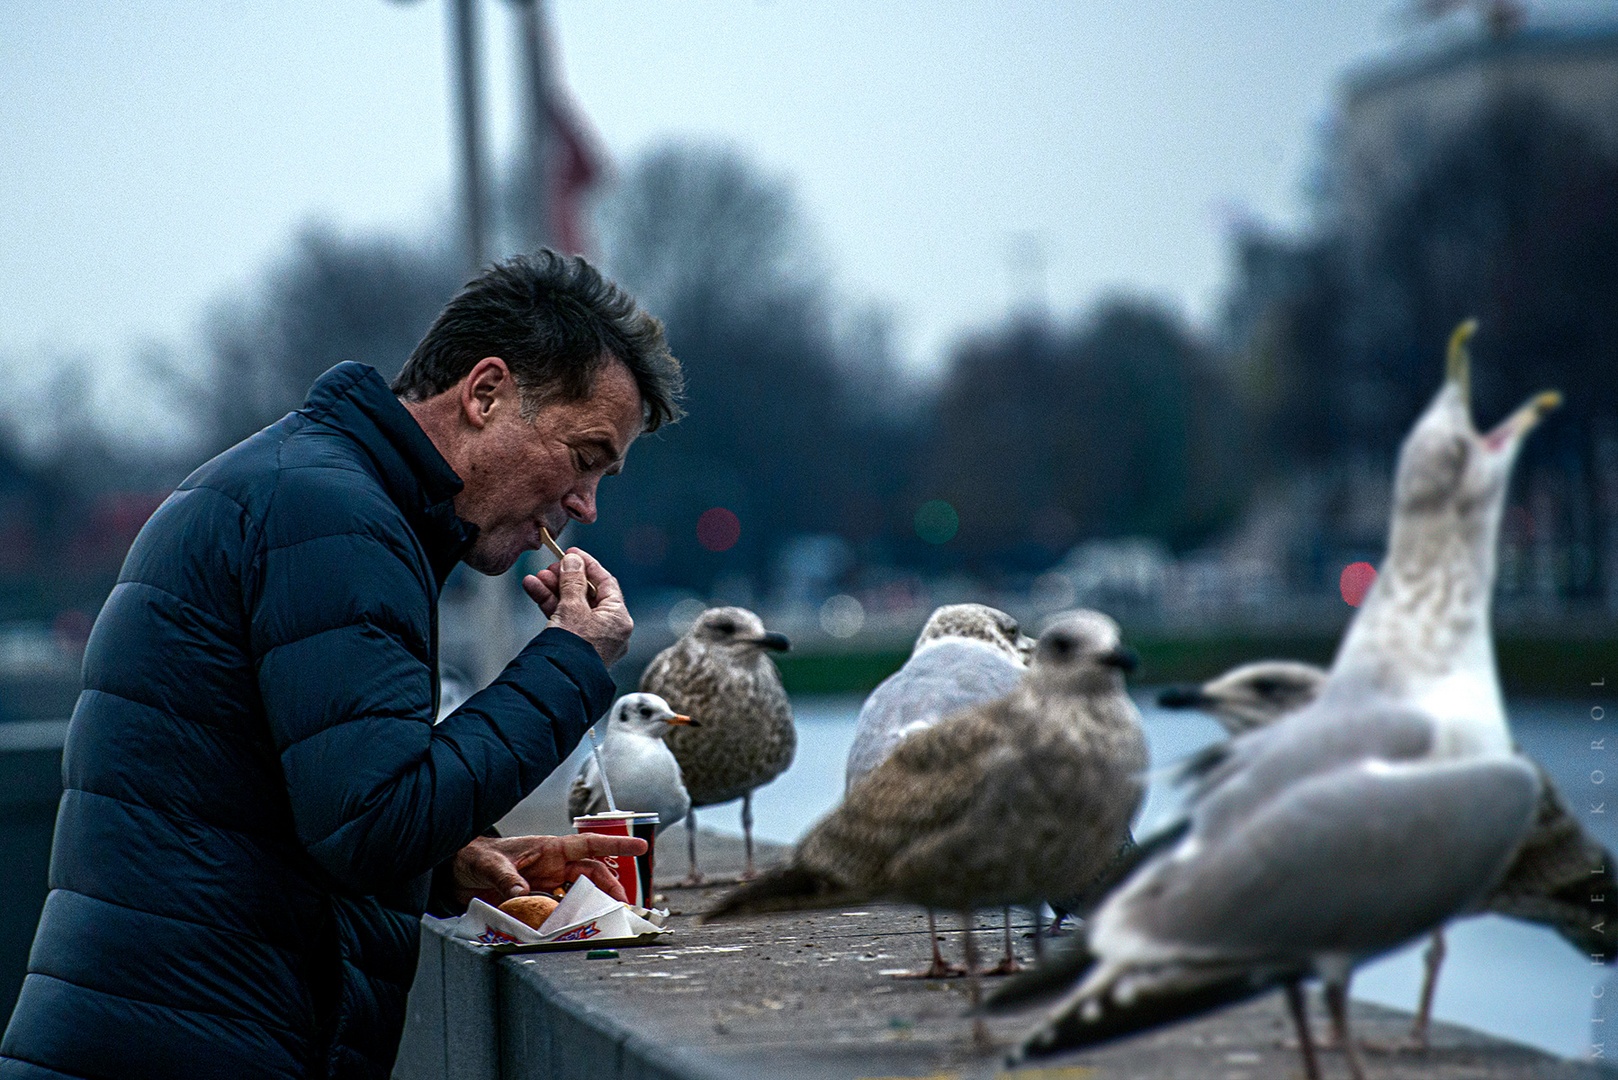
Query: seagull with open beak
(1390,805)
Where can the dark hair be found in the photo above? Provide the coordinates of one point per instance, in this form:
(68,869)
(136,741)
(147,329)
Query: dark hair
(555,320)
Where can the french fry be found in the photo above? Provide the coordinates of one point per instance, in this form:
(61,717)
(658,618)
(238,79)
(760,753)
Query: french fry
(550,542)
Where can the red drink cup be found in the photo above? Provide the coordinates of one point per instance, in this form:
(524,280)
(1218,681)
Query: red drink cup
(635,875)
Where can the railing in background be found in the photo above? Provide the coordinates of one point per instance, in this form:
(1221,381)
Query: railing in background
(30,787)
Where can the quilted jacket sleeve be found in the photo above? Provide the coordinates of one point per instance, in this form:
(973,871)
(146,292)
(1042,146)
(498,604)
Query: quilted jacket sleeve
(340,620)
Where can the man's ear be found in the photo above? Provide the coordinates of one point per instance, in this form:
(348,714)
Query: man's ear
(486,388)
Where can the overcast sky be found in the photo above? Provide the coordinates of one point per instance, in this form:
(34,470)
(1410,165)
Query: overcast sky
(154,156)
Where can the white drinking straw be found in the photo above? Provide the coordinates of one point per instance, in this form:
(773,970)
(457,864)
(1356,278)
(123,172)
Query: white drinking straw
(601,767)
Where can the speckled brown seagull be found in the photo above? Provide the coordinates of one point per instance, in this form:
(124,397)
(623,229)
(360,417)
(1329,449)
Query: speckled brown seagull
(718,674)
(965,655)
(1011,802)
(1562,878)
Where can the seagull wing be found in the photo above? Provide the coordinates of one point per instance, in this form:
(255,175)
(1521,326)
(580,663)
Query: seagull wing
(1349,863)
(925,786)
(1562,878)
(1354,861)
(943,678)
(584,796)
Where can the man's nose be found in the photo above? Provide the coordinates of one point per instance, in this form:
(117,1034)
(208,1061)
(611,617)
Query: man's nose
(581,505)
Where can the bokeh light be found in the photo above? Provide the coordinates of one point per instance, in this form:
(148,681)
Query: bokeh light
(842,616)
(1054,592)
(937,522)
(718,529)
(683,614)
(1356,582)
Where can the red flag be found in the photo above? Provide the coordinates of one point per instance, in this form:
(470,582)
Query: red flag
(574,169)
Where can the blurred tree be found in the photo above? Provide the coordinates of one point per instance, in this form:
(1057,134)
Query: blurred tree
(779,429)
(332,298)
(1120,425)
(1285,320)
(1510,216)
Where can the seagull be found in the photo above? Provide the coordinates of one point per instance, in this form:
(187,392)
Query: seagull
(1562,878)
(1252,695)
(966,654)
(1367,819)
(640,767)
(1009,802)
(718,674)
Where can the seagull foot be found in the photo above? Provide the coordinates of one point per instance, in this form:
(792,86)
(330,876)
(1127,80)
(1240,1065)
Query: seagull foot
(1008,966)
(1409,1044)
(939,969)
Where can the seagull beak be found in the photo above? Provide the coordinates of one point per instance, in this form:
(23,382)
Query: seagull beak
(1521,422)
(1120,658)
(1184,697)
(773,642)
(683,721)
(1458,366)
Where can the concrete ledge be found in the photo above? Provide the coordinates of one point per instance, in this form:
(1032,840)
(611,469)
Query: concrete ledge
(804,996)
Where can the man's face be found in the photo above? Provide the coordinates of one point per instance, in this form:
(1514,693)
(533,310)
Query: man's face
(523,473)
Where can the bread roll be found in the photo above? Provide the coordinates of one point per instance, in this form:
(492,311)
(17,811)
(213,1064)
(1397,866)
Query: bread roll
(532,910)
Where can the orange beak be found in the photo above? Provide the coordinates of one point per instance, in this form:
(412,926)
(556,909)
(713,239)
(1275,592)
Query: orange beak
(684,721)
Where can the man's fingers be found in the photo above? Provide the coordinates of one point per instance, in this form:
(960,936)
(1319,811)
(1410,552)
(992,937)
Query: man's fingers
(541,589)
(572,580)
(604,879)
(589,845)
(598,576)
(501,873)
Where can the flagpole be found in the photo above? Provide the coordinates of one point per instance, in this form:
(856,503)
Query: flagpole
(494,642)
(463,27)
(539,230)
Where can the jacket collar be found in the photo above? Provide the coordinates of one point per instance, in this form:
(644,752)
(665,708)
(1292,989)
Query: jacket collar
(353,399)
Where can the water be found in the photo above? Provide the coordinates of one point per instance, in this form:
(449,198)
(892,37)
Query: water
(1508,978)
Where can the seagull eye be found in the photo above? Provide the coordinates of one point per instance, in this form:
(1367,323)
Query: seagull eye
(646,710)
(1266,687)
(726,627)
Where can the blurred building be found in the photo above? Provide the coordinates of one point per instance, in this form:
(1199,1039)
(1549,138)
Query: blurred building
(1391,110)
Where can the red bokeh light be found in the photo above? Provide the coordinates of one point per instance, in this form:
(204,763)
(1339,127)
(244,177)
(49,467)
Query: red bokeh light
(1356,582)
(718,529)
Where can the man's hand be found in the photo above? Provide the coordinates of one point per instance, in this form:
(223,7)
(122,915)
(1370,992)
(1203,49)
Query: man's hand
(560,593)
(494,869)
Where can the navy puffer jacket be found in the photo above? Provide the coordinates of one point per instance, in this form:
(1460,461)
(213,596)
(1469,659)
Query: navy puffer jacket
(256,797)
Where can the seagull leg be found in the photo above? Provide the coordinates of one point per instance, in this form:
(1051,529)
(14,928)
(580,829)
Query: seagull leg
(980,1030)
(1433,958)
(1337,1005)
(693,876)
(1039,933)
(941,968)
(747,834)
(1008,965)
(1300,1019)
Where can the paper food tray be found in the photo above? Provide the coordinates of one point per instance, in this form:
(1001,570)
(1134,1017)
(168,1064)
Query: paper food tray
(576,946)
(587,918)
